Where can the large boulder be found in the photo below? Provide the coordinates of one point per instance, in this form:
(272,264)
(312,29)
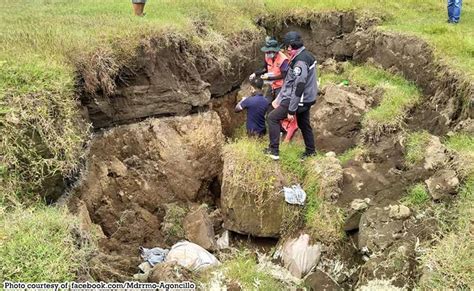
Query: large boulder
(251,198)
(199,229)
(337,117)
(133,170)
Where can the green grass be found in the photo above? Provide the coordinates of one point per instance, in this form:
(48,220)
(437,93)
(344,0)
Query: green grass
(350,154)
(323,220)
(172,225)
(451,261)
(37,245)
(417,196)
(415,147)
(399,95)
(243,269)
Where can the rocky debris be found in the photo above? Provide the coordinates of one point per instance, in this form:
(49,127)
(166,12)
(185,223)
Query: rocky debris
(443,184)
(132,171)
(321,281)
(399,212)
(434,154)
(377,285)
(299,256)
(337,117)
(224,106)
(397,263)
(466,126)
(329,171)
(377,231)
(330,154)
(108,268)
(360,204)
(330,65)
(169,272)
(198,228)
(247,208)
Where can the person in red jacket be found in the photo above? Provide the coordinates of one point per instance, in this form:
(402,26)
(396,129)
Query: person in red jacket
(274,69)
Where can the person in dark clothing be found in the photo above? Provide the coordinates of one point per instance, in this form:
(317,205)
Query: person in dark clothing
(274,69)
(256,106)
(296,97)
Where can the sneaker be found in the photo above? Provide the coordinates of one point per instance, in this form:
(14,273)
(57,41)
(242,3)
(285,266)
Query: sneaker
(270,153)
(306,155)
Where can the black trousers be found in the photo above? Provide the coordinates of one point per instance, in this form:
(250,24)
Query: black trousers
(304,124)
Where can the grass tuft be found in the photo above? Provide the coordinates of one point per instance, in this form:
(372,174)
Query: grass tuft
(415,147)
(417,196)
(243,270)
(38,245)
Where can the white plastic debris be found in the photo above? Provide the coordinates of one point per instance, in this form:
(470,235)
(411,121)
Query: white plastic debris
(223,241)
(299,256)
(191,256)
(295,195)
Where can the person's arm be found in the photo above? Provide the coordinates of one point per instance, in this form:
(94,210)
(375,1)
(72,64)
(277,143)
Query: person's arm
(300,72)
(283,70)
(241,105)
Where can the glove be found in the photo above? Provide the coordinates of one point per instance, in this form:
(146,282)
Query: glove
(264,77)
(251,77)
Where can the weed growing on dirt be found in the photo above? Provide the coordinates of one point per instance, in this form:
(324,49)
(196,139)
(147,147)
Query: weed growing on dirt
(252,171)
(399,96)
(243,269)
(38,245)
(450,262)
(172,225)
(323,220)
(350,154)
(415,147)
(417,196)
(463,145)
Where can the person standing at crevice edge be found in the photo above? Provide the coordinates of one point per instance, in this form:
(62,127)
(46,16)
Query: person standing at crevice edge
(454,11)
(274,69)
(138,7)
(296,97)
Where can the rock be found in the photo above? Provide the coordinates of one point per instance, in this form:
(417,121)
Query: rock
(320,281)
(299,256)
(399,211)
(199,229)
(169,272)
(329,171)
(360,204)
(442,184)
(86,226)
(337,117)
(352,221)
(435,154)
(249,208)
(377,231)
(132,171)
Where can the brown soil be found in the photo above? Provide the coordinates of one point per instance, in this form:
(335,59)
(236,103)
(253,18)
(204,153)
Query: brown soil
(134,169)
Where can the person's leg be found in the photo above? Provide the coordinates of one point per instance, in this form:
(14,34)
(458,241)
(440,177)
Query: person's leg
(304,123)
(273,121)
(456,10)
(450,10)
(138,7)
